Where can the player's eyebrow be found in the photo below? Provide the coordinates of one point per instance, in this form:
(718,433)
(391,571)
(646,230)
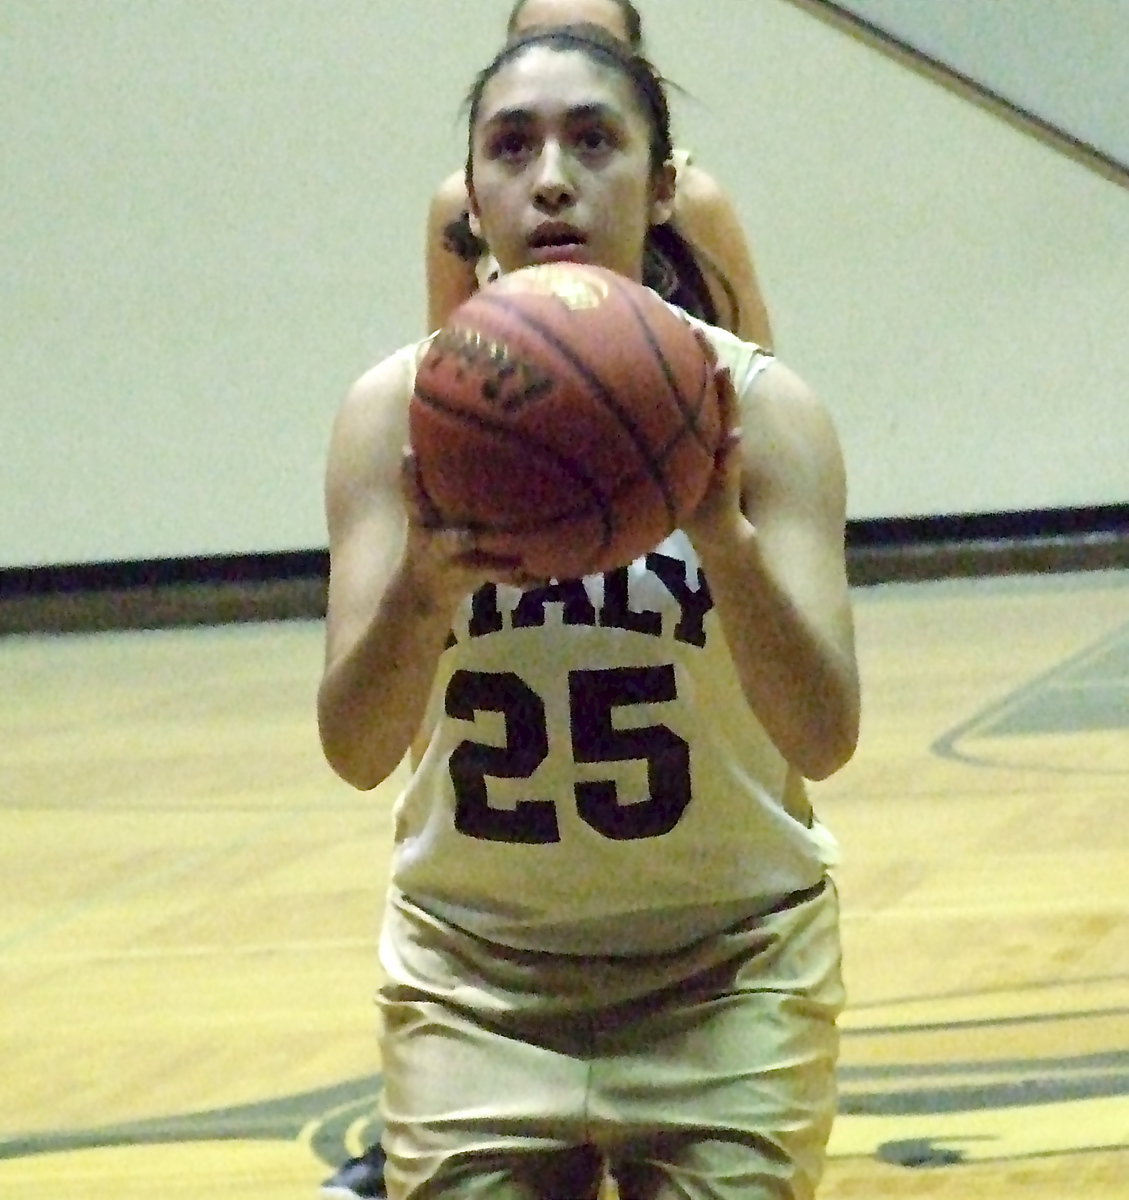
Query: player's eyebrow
(510,116)
(595,111)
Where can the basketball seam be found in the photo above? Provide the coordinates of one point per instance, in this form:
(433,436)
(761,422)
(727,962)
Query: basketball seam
(690,415)
(651,463)
(432,516)
(567,465)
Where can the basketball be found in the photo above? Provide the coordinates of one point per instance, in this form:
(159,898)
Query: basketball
(564,415)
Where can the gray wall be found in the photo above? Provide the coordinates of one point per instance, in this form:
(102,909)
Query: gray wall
(213,215)
(1064,61)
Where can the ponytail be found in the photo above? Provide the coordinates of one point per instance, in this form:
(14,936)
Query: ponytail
(461,241)
(676,268)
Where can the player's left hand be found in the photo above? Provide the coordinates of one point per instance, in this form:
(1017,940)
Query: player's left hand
(719,511)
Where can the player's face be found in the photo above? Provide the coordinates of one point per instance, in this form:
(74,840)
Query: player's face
(561,165)
(546,14)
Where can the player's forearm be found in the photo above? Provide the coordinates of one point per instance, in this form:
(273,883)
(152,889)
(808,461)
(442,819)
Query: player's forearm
(374,694)
(800,679)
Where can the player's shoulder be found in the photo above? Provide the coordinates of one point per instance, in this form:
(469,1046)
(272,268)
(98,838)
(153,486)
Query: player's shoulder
(449,199)
(395,371)
(697,187)
(380,395)
(680,156)
(744,360)
(758,376)
(692,176)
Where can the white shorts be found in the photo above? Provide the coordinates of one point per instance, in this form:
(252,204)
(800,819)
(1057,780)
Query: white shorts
(708,1072)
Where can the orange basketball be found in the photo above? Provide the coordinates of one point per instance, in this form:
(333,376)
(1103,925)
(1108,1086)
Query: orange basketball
(566,415)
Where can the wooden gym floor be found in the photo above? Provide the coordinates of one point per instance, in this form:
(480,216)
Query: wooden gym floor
(190,902)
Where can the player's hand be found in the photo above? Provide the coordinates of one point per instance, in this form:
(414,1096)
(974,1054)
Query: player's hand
(718,514)
(446,559)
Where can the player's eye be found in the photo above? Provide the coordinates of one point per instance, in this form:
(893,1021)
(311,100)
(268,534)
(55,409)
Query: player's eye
(509,145)
(594,140)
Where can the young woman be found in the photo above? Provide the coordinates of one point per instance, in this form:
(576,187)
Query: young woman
(655,998)
(706,264)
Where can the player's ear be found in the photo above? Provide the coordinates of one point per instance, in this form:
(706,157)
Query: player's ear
(472,213)
(662,193)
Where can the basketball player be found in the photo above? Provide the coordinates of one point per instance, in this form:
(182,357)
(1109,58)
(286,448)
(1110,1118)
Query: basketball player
(700,260)
(657,998)
(710,262)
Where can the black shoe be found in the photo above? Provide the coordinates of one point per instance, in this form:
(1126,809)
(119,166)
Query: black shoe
(359,1178)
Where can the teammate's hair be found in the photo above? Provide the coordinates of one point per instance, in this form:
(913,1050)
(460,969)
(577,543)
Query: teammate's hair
(632,22)
(672,265)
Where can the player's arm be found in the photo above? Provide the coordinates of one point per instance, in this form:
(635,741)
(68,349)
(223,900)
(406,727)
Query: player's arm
(450,279)
(770,535)
(388,612)
(707,216)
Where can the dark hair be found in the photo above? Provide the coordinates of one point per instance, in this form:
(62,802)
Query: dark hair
(672,265)
(632,22)
(596,44)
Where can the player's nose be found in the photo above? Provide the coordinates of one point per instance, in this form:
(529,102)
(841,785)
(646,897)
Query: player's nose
(553,188)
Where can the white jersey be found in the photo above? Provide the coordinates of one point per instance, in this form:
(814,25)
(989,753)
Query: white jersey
(591,779)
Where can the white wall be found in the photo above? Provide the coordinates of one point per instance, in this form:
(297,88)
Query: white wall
(213,215)
(955,288)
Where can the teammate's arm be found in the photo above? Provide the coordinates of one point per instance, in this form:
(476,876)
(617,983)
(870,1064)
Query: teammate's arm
(450,279)
(706,215)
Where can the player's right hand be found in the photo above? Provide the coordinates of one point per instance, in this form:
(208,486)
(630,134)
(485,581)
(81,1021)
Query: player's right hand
(449,559)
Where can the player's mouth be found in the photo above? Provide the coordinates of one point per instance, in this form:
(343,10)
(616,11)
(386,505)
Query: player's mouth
(556,241)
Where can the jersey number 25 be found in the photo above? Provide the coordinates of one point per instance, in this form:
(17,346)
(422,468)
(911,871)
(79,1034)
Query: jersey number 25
(593,697)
